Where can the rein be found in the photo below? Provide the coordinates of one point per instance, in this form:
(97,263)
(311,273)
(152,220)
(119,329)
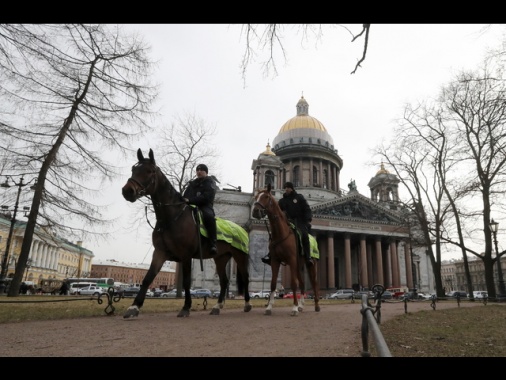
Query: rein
(267,211)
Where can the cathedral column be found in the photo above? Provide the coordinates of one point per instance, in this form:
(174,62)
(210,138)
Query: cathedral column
(320,178)
(388,268)
(370,262)
(331,273)
(379,262)
(409,267)
(363,263)
(347,261)
(394,262)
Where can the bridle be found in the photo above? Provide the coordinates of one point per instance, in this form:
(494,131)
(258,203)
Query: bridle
(152,180)
(265,211)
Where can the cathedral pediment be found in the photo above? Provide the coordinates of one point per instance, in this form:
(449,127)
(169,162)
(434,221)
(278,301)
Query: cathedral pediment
(355,207)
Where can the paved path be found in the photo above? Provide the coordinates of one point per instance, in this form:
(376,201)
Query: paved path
(333,332)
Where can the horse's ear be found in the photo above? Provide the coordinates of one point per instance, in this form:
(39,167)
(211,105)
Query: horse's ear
(140,156)
(151,155)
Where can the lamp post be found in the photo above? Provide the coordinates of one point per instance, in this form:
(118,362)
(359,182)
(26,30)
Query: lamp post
(28,265)
(3,273)
(494,226)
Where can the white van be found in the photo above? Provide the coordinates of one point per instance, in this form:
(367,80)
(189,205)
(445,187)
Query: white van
(480,294)
(75,286)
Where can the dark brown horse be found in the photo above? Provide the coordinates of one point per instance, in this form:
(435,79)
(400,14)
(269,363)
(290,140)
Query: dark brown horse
(283,248)
(176,238)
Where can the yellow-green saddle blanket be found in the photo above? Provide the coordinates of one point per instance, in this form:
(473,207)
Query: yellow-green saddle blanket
(313,245)
(230,232)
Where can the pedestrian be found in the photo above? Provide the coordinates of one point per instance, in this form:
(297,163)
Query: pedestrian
(299,213)
(23,288)
(201,192)
(64,289)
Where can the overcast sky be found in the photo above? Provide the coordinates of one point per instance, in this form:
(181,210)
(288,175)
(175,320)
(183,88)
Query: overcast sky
(200,72)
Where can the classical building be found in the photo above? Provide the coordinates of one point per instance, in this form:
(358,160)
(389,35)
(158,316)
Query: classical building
(454,278)
(51,257)
(362,240)
(128,273)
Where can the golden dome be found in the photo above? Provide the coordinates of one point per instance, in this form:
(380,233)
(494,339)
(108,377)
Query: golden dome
(382,170)
(268,150)
(302,120)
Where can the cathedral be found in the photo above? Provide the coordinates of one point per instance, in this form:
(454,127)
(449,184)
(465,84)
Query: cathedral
(362,240)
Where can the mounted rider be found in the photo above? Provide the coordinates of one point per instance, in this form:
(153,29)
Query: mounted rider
(299,213)
(201,192)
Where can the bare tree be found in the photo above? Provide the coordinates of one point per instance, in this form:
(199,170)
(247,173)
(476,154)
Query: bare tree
(70,94)
(476,105)
(186,143)
(270,37)
(413,162)
(448,155)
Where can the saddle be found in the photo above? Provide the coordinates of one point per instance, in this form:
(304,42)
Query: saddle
(227,231)
(313,245)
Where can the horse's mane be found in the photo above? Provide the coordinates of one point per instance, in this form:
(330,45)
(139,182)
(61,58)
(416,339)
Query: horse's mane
(267,191)
(171,189)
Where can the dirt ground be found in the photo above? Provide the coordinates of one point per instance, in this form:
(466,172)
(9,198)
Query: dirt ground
(335,331)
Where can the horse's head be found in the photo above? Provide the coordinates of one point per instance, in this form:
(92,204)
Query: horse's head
(264,203)
(143,179)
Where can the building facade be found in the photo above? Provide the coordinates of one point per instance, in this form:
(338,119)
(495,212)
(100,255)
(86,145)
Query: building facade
(362,240)
(133,274)
(51,257)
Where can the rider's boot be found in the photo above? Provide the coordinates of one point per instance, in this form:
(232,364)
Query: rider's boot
(211,230)
(307,254)
(266,259)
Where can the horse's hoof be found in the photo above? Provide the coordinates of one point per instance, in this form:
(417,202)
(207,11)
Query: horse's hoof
(294,314)
(247,308)
(301,309)
(215,311)
(268,312)
(132,312)
(317,308)
(183,313)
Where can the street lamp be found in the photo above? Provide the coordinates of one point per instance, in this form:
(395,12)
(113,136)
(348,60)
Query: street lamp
(20,185)
(28,265)
(494,226)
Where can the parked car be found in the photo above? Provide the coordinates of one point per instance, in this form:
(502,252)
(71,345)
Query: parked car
(342,294)
(150,293)
(358,295)
(170,294)
(456,294)
(173,293)
(201,293)
(91,290)
(131,291)
(261,294)
(157,292)
(480,294)
(290,295)
(387,295)
(216,294)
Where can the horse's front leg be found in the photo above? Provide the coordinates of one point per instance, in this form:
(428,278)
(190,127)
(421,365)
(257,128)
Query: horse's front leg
(154,269)
(275,270)
(295,285)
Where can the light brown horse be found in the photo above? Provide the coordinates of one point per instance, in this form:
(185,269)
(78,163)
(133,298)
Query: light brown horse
(284,249)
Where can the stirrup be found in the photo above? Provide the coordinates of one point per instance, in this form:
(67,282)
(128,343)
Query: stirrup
(266,260)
